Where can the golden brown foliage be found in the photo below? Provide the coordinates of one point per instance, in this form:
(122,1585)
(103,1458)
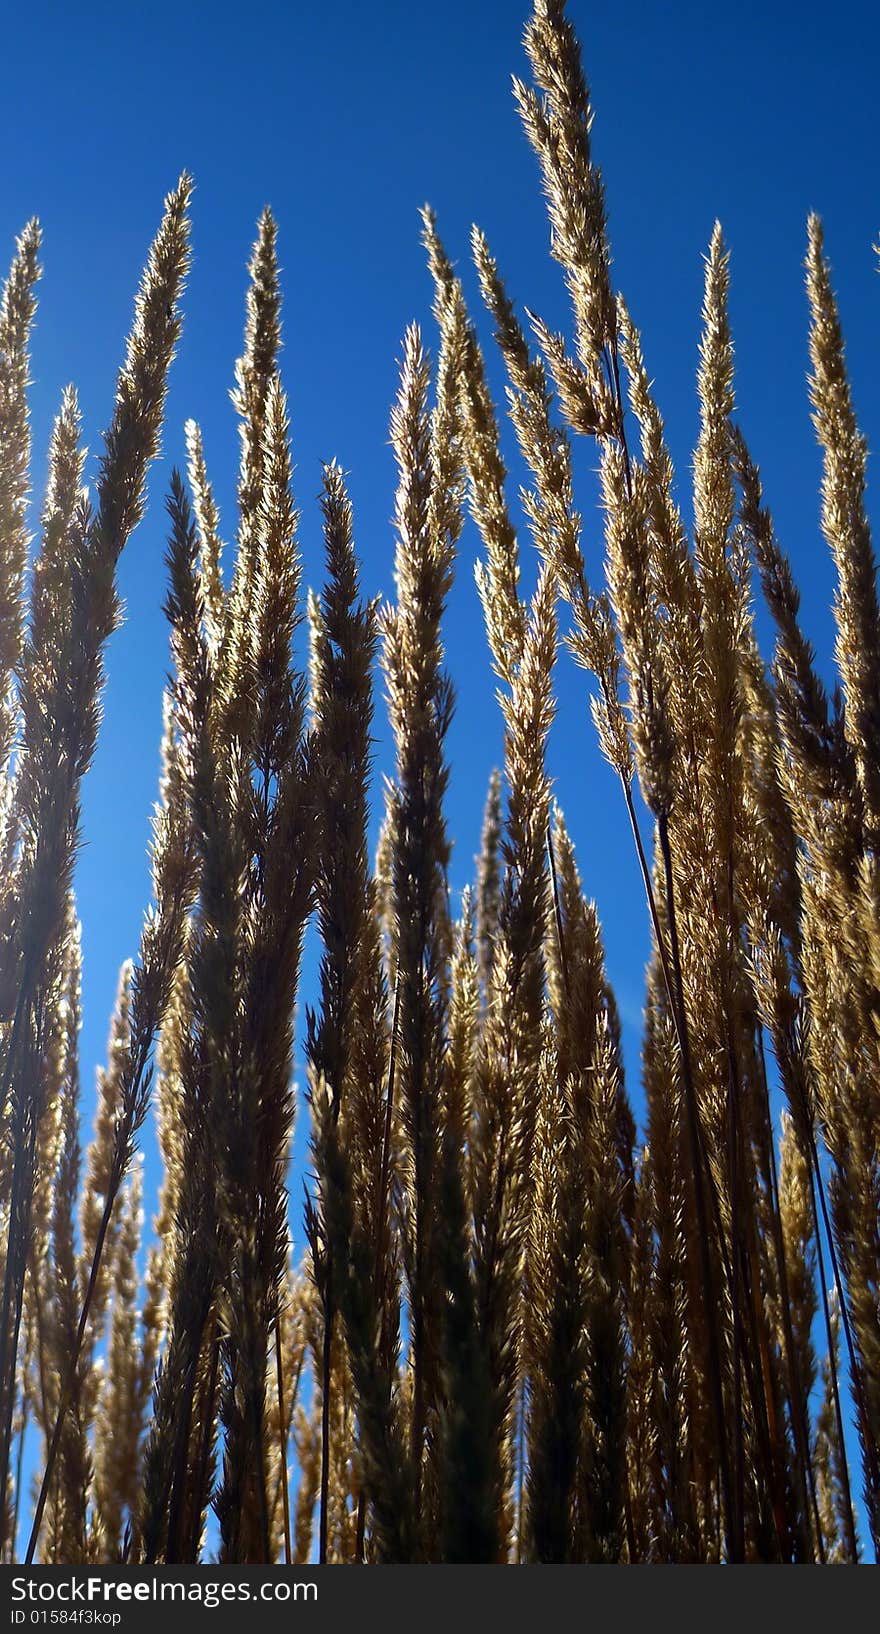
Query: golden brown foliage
(513,1335)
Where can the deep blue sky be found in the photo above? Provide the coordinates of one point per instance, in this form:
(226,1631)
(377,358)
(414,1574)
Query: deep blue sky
(346,118)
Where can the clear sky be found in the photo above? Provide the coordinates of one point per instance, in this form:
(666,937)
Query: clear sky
(345,117)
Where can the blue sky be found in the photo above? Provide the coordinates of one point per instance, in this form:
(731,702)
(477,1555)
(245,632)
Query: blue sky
(345,118)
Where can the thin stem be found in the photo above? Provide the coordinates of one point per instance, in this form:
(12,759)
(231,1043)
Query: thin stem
(379,1257)
(326,1380)
(854,1362)
(733,1145)
(520,1468)
(797,1400)
(262,1496)
(12,1045)
(557,908)
(7,1428)
(199,1494)
(19,1462)
(849,1516)
(285,1492)
(13,1282)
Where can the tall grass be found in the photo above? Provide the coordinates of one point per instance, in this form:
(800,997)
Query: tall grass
(518,1331)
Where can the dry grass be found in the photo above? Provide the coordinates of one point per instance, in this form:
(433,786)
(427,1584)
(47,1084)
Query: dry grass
(516,1333)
